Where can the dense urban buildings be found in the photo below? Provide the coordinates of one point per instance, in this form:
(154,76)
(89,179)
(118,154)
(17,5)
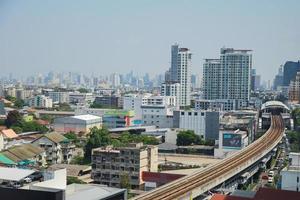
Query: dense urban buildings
(294,89)
(290,70)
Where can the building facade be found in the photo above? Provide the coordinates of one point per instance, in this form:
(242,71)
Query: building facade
(203,123)
(40,101)
(111,165)
(294,89)
(228,77)
(180,72)
(290,70)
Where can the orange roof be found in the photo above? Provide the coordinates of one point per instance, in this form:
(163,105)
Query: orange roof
(225,197)
(9,133)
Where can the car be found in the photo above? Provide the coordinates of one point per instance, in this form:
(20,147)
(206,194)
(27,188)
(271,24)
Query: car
(27,180)
(270,180)
(36,176)
(15,184)
(271,173)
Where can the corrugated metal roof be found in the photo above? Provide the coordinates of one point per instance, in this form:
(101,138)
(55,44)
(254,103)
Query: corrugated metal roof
(9,133)
(55,137)
(22,152)
(14,174)
(5,160)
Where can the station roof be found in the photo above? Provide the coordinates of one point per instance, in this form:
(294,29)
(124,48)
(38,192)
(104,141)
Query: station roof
(272,104)
(14,174)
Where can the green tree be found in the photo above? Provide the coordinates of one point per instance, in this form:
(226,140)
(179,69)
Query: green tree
(13,118)
(97,138)
(188,137)
(19,103)
(124,181)
(83,90)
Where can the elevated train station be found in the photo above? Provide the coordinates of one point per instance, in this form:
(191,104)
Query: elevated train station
(274,108)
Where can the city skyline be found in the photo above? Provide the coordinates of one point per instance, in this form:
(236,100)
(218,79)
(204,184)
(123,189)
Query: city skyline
(96,38)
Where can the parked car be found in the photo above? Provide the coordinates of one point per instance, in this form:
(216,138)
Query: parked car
(27,180)
(271,173)
(36,176)
(15,184)
(270,180)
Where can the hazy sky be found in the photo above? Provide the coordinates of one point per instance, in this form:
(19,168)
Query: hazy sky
(101,37)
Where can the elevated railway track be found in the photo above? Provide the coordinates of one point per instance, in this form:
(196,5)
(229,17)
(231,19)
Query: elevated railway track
(201,181)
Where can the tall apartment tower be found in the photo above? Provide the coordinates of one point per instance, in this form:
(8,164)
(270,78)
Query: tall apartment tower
(228,77)
(180,72)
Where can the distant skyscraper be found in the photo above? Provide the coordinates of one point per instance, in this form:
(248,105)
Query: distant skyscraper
(255,80)
(115,80)
(180,72)
(278,81)
(229,76)
(290,70)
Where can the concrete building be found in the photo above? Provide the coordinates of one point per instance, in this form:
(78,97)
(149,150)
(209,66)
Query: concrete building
(217,104)
(158,111)
(203,123)
(134,102)
(230,141)
(57,147)
(59,97)
(228,77)
(115,80)
(109,101)
(290,176)
(78,98)
(23,93)
(40,101)
(171,89)
(118,118)
(180,72)
(5,136)
(294,89)
(111,165)
(77,124)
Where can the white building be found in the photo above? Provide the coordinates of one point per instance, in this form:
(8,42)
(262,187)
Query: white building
(231,141)
(290,176)
(158,111)
(40,101)
(134,102)
(203,123)
(171,89)
(228,77)
(180,72)
(59,97)
(81,98)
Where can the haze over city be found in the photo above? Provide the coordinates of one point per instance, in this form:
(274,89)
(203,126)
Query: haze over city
(99,37)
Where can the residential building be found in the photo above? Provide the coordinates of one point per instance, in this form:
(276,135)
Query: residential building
(115,80)
(203,123)
(290,70)
(278,81)
(180,72)
(25,156)
(290,176)
(229,76)
(110,165)
(23,93)
(40,101)
(171,89)
(294,89)
(57,147)
(77,124)
(5,136)
(217,104)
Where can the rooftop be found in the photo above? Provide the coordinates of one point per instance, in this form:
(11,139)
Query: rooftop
(86,117)
(14,174)
(9,133)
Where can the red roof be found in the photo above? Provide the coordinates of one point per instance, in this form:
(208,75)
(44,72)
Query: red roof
(263,194)
(159,178)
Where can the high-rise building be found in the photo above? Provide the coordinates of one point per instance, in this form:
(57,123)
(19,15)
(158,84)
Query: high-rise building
(290,70)
(180,72)
(115,80)
(278,81)
(228,77)
(294,89)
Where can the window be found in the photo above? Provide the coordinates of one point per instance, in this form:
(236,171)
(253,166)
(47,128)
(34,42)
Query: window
(195,113)
(190,113)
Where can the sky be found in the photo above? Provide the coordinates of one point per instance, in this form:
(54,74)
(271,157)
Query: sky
(102,37)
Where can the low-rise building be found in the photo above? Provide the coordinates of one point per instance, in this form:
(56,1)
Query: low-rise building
(40,101)
(110,166)
(59,97)
(57,147)
(76,98)
(77,124)
(109,101)
(5,136)
(290,176)
(203,123)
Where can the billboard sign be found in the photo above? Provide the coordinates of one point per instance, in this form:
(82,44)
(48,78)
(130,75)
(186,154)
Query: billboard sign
(232,141)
